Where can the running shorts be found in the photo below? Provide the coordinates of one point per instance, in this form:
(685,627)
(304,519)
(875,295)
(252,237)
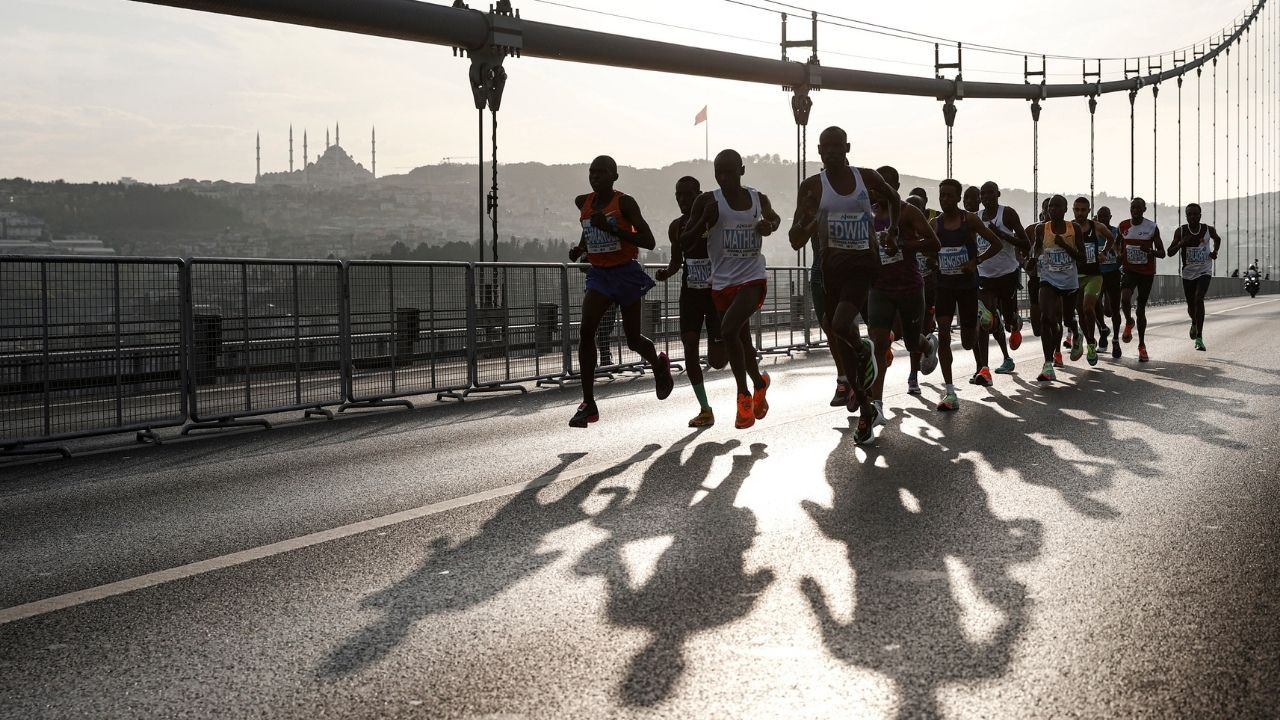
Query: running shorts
(696,309)
(1200,285)
(964,300)
(623,284)
(845,280)
(883,307)
(1141,282)
(1090,285)
(723,298)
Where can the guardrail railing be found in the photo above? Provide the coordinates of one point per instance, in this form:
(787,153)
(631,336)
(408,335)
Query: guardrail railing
(92,346)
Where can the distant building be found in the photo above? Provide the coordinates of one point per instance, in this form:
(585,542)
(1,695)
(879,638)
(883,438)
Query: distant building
(26,235)
(17,226)
(334,168)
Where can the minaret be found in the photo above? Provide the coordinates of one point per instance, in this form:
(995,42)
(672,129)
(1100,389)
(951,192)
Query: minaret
(337,135)
(290,147)
(373,151)
(326,138)
(305,157)
(258,176)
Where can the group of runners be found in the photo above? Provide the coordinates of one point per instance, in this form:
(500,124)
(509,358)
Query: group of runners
(909,272)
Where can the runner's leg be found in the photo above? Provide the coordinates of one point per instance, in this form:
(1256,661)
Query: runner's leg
(736,326)
(594,306)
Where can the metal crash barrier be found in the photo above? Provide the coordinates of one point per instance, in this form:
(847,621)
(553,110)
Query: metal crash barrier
(92,346)
(267,336)
(89,347)
(409,331)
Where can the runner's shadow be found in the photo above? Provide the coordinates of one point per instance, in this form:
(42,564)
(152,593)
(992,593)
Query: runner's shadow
(934,601)
(698,582)
(459,576)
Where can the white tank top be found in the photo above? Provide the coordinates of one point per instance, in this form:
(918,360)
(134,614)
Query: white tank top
(1196,257)
(734,244)
(846,219)
(1144,230)
(1005,261)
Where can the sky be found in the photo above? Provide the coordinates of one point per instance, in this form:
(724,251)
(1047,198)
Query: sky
(100,89)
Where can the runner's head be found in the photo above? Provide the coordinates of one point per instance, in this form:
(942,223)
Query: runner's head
(1044,209)
(1080,208)
(1104,215)
(833,148)
(949,194)
(971,199)
(602,174)
(687,189)
(917,201)
(729,170)
(890,175)
(1137,209)
(990,194)
(1057,208)
(1193,214)
(921,193)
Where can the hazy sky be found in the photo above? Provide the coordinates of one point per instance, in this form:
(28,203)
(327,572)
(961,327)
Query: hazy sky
(99,89)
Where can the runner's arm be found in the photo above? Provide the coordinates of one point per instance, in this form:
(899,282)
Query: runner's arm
(770,221)
(580,249)
(805,223)
(642,236)
(1110,245)
(1159,244)
(877,187)
(702,216)
(1217,242)
(981,228)
(677,257)
(1018,238)
(928,239)
(1177,242)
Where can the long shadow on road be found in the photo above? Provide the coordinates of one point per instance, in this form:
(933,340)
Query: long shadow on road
(699,581)
(501,554)
(927,552)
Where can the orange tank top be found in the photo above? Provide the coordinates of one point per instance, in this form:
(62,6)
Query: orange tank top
(605,249)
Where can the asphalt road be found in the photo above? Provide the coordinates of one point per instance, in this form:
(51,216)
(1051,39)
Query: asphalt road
(1108,546)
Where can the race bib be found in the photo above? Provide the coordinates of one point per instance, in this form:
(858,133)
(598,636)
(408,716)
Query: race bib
(983,245)
(1090,253)
(1056,259)
(742,241)
(951,260)
(697,273)
(1197,255)
(599,241)
(1135,255)
(849,231)
(888,259)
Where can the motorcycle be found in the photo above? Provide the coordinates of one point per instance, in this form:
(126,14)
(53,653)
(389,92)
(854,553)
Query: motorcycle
(1251,284)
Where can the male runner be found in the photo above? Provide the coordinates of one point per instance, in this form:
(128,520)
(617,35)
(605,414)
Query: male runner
(696,306)
(1109,264)
(958,260)
(613,231)
(837,202)
(1193,241)
(924,359)
(895,303)
(1033,276)
(1096,240)
(1056,248)
(819,294)
(732,222)
(998,282)
(1140,245)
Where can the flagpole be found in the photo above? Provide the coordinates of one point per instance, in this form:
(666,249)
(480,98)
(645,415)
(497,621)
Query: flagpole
(706,139)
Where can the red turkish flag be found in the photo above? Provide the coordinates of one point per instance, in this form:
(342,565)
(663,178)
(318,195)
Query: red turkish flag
(701,117)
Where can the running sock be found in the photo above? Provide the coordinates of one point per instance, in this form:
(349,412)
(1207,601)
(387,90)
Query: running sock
(701,392)
(950,388)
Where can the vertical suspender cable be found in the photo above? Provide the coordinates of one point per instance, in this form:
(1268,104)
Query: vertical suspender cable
(1214,134)
(1035,157)
(1155,152)
(1179,150)
(1226,170)
(1093,109)
(1133,97)
(480,182)
(1239,167)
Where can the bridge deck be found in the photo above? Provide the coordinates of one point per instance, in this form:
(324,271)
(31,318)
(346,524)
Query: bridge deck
(1108,546)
